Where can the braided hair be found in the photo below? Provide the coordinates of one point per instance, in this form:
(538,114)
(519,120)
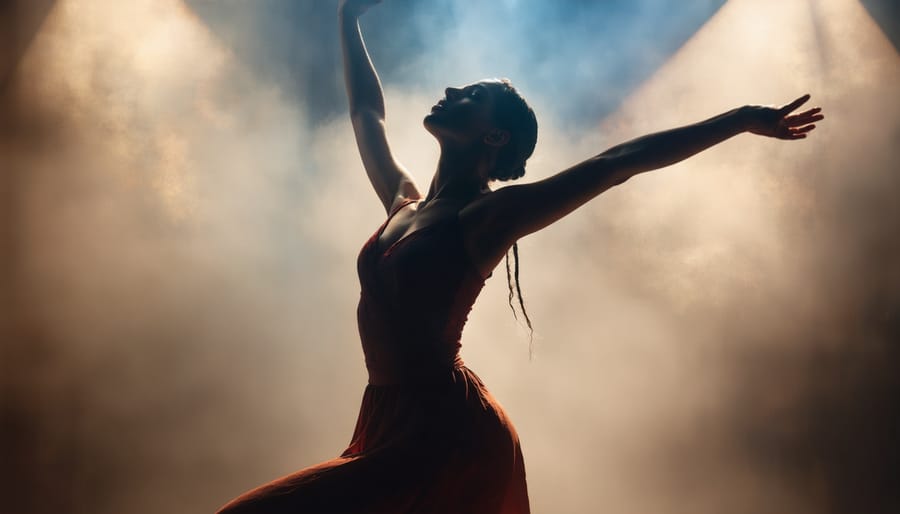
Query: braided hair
(513,114)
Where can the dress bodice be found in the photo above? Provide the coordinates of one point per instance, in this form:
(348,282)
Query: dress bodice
(415,297)
(429,436)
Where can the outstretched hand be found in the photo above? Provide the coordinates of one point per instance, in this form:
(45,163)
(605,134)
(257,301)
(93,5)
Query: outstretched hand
(356,8)
(778,122)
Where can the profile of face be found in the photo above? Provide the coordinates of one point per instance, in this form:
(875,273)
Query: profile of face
(466,116)
(491,119)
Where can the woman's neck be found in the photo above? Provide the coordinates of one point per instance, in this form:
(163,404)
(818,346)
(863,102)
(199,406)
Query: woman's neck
(458,177)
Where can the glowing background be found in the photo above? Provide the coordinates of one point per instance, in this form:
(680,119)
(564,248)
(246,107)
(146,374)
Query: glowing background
(183,204)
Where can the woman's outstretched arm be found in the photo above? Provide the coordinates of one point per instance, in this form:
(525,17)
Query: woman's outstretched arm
(389,178)
(518,210)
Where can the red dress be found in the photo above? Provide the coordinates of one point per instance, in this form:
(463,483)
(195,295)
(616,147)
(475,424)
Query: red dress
(429,438)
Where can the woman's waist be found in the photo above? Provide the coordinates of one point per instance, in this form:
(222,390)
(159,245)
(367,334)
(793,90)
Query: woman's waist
(397,370)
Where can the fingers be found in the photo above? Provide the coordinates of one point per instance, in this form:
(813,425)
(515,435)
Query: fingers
(793,105)
(810,112)
(797,132)
(804,117)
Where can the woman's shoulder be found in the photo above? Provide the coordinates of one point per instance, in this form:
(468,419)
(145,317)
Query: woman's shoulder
(478,208)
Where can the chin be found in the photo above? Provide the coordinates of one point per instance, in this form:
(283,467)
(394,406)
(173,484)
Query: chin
(432,116)
(430,125)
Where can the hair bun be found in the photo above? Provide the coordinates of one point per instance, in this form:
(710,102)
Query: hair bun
(512,113)
(517,172)
(509,174)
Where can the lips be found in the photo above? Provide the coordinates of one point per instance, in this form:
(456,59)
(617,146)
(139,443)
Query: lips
(440,106)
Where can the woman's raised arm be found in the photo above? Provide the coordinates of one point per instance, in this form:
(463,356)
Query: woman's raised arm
(515,211)
(390,179)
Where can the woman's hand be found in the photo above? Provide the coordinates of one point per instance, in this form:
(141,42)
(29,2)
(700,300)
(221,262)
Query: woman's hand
(776,121)
(355,8)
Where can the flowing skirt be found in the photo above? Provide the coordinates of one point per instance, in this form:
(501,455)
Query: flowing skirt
(445,447)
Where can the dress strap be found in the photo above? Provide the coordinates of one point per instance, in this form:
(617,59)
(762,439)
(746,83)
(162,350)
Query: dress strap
(388,220)
(402,205)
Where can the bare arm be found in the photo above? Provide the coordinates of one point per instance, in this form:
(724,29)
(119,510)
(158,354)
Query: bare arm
(389,178)
(515,211)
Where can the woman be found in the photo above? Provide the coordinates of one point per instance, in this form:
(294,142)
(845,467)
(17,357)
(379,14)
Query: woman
(430,438)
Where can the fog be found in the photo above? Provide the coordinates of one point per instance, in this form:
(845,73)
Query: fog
(182,226)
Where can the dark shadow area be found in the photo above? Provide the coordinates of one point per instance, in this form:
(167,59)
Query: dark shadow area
(20,20)
(887,14)
(835,433)
(30,428)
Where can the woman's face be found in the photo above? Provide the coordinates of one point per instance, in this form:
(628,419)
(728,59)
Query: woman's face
(464,116)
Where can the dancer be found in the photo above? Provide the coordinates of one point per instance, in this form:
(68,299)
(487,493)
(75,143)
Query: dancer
(430,438)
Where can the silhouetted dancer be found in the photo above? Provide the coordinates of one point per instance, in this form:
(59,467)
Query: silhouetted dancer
(430,438)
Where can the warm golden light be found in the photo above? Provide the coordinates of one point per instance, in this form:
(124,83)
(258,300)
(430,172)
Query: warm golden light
(136,71)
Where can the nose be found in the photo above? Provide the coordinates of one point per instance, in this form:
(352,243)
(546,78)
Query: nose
(452,93)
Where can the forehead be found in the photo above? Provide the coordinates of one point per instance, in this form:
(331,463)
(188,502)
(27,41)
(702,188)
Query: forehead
(482,85)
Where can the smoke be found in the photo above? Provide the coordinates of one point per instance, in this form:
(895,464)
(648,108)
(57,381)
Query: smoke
(719,335)
(157,185)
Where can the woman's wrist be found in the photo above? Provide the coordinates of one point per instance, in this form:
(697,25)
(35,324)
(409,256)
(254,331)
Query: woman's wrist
(742,118)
